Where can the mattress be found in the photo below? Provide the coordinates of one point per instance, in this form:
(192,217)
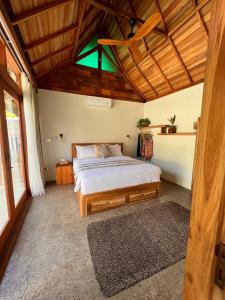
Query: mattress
(107,178)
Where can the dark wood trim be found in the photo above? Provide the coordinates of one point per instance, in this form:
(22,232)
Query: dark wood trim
(50,55)
(86,53)
(56,88)
(111,60)
(38,10)
(49,37)
(12,235)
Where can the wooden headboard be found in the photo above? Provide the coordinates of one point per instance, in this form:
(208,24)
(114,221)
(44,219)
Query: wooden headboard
(74,151)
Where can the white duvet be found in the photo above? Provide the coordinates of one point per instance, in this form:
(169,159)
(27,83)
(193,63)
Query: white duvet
(113,177)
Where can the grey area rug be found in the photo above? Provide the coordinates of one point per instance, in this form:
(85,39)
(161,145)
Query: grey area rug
(129,248)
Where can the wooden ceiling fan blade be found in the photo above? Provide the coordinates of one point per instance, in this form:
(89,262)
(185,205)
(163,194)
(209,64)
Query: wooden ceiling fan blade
(113,42)
(147,27)
(137,55)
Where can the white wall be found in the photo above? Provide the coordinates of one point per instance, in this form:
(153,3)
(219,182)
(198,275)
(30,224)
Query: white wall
(68,114)
(174,154)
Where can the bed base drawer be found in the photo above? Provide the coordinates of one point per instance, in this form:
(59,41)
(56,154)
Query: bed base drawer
(97,202)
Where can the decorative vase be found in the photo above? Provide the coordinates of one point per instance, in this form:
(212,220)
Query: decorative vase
(172,129)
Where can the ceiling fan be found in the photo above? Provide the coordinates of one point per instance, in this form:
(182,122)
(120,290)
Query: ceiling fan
(132,37)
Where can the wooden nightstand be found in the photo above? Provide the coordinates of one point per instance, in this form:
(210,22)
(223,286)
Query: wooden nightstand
(64,174)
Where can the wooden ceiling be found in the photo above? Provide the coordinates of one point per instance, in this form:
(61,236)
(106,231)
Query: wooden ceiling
(52,32)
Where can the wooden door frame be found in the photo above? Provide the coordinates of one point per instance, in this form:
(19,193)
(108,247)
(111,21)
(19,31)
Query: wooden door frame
(209,179)
(17,213)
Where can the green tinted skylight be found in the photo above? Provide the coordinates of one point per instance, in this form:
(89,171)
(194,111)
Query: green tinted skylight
(91,60)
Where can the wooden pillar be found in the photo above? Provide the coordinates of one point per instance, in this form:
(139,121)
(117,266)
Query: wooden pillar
(207,213)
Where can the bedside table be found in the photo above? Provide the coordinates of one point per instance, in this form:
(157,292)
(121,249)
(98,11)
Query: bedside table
(64,174)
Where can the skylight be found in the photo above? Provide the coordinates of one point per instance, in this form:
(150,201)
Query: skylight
(91,59)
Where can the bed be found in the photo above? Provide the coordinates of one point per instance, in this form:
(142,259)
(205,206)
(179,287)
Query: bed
(106,183)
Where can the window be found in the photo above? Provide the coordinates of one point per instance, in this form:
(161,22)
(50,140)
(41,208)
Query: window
(100,52)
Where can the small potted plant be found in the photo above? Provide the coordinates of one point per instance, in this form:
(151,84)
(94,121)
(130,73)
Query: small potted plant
(142,123)
(172,128)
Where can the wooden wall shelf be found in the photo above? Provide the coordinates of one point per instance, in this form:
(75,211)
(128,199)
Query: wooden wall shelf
(178,133)
(157,126)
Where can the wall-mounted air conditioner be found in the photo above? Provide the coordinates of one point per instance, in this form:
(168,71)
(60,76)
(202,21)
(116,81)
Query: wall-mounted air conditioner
(99,102)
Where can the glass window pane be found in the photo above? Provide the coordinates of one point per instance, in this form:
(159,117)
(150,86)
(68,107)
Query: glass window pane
(107,65)
(3,201)
(15,147)
(93,43)
(90,61)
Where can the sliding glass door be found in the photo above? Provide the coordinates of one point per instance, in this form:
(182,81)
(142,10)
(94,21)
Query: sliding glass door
(12,113)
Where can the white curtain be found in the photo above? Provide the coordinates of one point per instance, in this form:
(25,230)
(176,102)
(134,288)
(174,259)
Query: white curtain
(33,147)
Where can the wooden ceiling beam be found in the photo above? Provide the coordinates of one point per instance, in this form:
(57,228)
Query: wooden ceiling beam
(86,54)
(49,37)
(86,41)
(38,10)
(198,15)
(80,16)
(171,42)
(111,60)
(45,72)
(188,16)
(89,36)
(50,55)
(131,55)
(119,13)
(149,53)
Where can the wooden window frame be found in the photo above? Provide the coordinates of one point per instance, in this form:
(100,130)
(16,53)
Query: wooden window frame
(17,211)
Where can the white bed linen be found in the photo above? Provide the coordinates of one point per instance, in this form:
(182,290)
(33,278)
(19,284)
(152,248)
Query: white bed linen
(110,178)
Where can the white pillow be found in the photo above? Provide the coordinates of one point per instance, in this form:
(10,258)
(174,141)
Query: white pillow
(85,151)
(115,150)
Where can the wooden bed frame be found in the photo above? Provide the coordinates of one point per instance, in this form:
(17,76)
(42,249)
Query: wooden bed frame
(101,201)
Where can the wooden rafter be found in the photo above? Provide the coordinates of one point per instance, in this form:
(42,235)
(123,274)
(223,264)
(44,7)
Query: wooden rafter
(86,41)
(149,52)
(50,55)
(171,42)
(172,31)
(80,15)
(50,37)
(131,55)
(38,10)
(188,16)
(122,14)
(90,35)
(111,60)
(200,19)
(86,53)
(64,63)
(126,77)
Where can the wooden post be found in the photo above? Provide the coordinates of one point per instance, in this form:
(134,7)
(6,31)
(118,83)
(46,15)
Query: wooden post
(207,213)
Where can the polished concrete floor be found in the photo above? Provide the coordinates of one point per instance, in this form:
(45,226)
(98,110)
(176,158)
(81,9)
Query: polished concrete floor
(51,259)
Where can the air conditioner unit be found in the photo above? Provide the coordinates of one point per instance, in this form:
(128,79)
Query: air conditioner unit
(99,102)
